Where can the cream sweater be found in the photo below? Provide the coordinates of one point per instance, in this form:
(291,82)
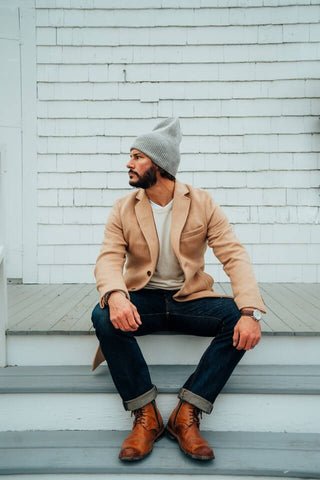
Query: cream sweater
(168,273)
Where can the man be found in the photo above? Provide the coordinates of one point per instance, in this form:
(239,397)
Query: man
(162,231)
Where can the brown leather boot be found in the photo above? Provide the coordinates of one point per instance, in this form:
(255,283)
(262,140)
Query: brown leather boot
(147,428)
(183,425)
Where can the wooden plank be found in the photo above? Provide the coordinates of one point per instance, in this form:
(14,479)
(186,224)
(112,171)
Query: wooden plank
(65,300)
(30,298)
(306,292)
(307,313)
(33,306)
(270,323)
(294,297)
(76,316)
(106,438)
(17,293)
(289,321)
(87,302)
(274,316)
(38,319)
(312,288)
(248,379)
(102,370)
(96,452)
(83,322)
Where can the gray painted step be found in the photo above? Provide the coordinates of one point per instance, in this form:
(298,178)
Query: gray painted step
(83,452)
(262,379)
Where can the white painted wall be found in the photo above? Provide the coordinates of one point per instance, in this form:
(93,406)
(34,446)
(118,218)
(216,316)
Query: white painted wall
(243,76)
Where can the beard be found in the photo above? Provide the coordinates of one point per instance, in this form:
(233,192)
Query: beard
(147,180)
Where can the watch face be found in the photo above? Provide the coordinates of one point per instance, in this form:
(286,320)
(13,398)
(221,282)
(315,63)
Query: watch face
(257,314)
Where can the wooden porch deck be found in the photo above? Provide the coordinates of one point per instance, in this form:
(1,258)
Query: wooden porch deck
(293,309)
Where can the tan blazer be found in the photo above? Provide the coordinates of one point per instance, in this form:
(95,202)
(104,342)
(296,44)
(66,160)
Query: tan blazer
(197,221)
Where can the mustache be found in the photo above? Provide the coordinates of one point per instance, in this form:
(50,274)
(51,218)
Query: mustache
(132,171)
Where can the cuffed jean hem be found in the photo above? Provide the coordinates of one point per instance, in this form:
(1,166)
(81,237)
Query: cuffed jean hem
(199,402)
(142,400)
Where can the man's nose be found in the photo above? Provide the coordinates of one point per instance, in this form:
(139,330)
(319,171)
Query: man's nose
(130,164)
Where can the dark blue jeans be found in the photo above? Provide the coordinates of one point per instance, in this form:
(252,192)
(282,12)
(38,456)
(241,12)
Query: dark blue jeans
(209,317)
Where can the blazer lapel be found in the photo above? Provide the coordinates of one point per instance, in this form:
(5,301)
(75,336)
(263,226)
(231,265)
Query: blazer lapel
(180,210)
(146,221)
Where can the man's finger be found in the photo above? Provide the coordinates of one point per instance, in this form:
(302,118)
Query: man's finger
(132,323)
(131,320)
(136,315)
(115,324)
(235,337)
(244,341)
(250,343)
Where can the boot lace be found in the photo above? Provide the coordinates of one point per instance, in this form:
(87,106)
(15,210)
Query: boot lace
(140,416)
(194,414)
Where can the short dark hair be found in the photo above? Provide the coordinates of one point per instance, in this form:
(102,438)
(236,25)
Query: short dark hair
(166,174)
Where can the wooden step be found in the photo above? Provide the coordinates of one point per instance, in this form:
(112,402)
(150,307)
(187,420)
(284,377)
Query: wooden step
(284,455)
(51,325)
(292,308)
(73,398)
(78,349)
(246,379)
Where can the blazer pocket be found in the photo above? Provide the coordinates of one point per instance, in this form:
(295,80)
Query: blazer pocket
(193,232)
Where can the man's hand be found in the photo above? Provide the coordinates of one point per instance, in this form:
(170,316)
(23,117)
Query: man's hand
(123,314)
(247,333)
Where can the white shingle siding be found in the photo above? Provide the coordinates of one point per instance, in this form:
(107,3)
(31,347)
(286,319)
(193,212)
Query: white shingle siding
(243,76)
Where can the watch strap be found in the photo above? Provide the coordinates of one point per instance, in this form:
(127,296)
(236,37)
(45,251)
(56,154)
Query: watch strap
(247,312)
(253,313)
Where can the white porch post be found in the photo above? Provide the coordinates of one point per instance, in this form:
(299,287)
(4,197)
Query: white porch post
(3,310)
(3,279)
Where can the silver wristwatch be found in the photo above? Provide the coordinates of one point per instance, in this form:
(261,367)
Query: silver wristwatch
(256,314)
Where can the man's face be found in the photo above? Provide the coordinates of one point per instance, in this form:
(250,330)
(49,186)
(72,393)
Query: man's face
(142,172)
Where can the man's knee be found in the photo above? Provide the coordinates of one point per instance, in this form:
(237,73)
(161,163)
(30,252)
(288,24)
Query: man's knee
(233,313)
(101,321)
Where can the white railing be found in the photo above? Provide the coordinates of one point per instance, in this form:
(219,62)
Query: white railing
(3,310)
(3,279)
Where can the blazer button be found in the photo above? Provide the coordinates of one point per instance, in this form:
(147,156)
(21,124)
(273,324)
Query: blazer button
(149,273)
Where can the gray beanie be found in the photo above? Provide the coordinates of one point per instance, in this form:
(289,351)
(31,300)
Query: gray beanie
(162,145)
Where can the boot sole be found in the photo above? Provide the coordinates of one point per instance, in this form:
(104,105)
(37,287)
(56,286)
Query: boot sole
(175,437)
(135,459)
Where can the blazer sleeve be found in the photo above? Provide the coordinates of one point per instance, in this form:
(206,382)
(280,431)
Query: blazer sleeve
(234,258)
(109,266)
